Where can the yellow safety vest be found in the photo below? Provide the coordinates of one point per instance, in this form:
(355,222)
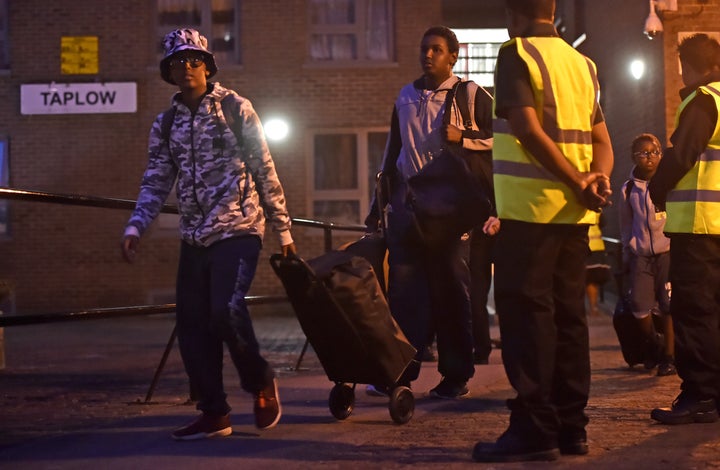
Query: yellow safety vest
(693,205)
(566,100)
(595,236)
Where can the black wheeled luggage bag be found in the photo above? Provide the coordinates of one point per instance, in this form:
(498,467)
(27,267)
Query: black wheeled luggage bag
(628,333)
(342,310)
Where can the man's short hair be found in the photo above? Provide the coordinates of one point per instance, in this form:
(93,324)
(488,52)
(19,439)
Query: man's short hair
(447,33)
(701,52)
(534,9)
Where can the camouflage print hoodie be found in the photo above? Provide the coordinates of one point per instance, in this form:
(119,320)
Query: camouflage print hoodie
(217,197)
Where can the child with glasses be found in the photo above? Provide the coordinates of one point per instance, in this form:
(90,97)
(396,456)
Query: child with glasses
(646,254)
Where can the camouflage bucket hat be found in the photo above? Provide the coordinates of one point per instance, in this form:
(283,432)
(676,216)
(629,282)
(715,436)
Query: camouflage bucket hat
(185,40)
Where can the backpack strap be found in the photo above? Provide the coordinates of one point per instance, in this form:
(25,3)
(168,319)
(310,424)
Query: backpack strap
(166,124)
(231,111)
(449,97)
(461,98)
(628,189)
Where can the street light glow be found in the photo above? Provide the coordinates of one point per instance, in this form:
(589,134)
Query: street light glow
(637,69)
(276,129)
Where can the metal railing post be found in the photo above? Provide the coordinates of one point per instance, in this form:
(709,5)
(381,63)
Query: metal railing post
(161,365)
(98,313)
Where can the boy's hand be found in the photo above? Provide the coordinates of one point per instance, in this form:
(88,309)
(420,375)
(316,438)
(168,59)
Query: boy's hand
(128,247)
(289,250)
(451,134)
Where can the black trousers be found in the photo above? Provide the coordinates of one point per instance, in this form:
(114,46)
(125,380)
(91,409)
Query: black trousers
(211,311)
(539,296)
(695,308)
(428,290)
(480,259)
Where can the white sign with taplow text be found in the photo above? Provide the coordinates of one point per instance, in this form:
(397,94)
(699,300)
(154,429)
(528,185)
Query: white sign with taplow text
(78,98)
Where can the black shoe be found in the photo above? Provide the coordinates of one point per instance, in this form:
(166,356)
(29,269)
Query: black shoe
(573,444)
(686,410)
(450,389)
(481,356)
(653,351)
(428,355)
(511,448)
(666,367)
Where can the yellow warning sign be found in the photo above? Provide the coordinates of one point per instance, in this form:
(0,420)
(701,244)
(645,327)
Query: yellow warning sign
(79,55)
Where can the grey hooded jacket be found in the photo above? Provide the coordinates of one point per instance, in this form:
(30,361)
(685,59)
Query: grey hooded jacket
(223,189)
(641,227)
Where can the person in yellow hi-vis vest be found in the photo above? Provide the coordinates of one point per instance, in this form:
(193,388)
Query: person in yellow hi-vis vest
(687,186)
(551,159)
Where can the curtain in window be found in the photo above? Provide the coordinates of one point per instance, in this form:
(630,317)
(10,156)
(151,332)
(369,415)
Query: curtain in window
(372,36)
(378,31)
(179,12)
(223,26)
(333,46)
(336,161)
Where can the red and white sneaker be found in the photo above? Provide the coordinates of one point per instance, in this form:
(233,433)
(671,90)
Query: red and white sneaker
(203,427)
(267,407)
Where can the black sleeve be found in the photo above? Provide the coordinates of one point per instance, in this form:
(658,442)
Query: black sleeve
(481,163)
(393,146)
(695,128)
(483,116)
(389,170)
(512,87)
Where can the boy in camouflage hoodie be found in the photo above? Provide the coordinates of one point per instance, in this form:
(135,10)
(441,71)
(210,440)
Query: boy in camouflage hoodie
(224,190)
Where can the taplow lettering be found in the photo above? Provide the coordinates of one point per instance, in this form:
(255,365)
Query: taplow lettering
(91,98)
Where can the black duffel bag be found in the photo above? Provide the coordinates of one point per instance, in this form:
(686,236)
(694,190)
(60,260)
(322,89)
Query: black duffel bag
(446,199)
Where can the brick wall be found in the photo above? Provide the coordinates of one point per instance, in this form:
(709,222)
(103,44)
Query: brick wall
(67,257)
(702,16)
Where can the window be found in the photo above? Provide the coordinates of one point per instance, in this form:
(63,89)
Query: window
(4,36)
(478,54)
(350,31)
(217,20)
(343,168)
(4,182)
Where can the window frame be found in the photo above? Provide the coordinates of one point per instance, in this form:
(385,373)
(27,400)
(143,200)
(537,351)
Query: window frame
(205,27)
(361,192)
(5,229)
(493,37)
(4,36)
(360,30)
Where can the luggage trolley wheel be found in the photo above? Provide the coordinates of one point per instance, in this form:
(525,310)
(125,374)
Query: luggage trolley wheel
(341,400)
(402,404)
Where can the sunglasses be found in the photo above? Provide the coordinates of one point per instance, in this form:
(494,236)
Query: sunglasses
(194,62)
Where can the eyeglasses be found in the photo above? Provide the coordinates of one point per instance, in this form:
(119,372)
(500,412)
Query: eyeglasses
(194,62)
(647,154)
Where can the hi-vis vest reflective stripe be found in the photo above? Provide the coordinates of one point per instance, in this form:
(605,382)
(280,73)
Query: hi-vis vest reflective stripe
(566,102)
(595,236)
(693,206)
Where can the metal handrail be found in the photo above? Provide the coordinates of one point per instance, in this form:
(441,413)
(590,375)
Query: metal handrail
(115,312)
(74,199)
(102,313)
(129,204)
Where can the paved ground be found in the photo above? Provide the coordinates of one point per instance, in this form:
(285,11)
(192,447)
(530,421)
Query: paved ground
(73,397)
